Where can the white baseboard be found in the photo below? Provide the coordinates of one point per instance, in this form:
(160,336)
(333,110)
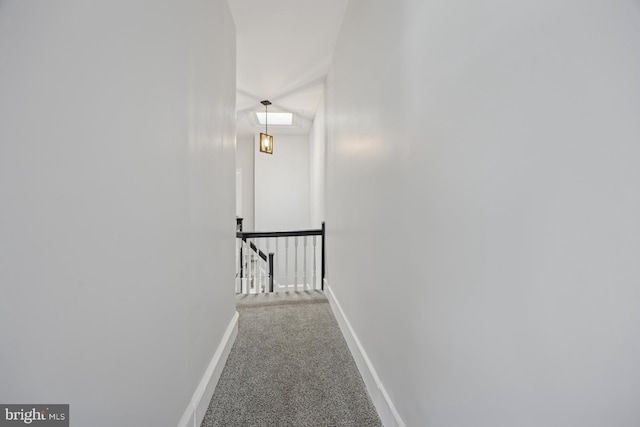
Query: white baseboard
(197,408)
(379,397)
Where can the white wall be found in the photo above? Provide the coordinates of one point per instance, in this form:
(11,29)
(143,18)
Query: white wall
(116,204)
(282,184)
(317,166)
(482,207)
(244,161)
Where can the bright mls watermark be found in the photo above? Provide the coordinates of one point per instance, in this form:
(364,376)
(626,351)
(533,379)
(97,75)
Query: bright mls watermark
(34,415)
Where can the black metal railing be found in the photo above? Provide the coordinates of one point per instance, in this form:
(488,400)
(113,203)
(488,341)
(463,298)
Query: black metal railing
(259,269)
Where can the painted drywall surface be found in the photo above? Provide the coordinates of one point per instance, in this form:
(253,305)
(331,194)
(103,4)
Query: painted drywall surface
(116,204)
(317,166)
(281,183)
(483,204)
(244,161)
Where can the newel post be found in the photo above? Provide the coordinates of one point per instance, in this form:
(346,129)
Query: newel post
(323,259)
(271,271)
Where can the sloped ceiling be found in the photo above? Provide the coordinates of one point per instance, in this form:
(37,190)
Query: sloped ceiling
(284,49)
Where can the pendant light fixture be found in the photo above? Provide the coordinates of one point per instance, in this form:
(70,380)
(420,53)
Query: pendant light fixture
(266,140)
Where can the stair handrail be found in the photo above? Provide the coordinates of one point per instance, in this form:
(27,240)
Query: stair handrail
(244,235)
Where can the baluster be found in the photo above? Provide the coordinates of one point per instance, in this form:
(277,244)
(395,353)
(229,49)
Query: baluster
(245,266)
(286,262)
(268,270)
(255,269)
(241,264)
(250,283)
(238,266)
(277,264)
(259,268)
(260,264)
(253,264)
(255,272)
(314,263)
(305,283)
(295,271)
(264,272)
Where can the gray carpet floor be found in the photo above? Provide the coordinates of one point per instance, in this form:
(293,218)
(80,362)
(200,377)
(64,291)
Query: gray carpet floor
(289,366)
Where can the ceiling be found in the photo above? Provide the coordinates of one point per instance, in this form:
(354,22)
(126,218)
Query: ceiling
(284,49)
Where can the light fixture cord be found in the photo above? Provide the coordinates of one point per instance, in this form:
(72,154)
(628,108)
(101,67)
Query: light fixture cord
(266,120)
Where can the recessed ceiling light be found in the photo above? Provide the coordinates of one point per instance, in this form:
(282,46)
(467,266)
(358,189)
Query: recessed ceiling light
(278,119)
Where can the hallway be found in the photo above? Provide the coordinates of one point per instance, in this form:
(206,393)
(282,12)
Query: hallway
(476,163)
(289,366)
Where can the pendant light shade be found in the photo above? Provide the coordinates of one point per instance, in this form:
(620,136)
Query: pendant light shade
(266,140)
(266,143)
